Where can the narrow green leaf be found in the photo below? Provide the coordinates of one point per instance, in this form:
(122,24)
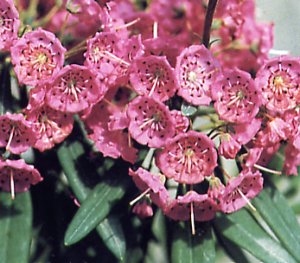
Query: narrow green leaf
(275,210)
(115,242)
(112,235)
(233,251)
(93,210)
(187,248)
(15,228)
(67,158)
(244,231)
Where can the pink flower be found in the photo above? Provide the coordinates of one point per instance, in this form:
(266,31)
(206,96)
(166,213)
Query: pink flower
(163,46)
(105,54)
(188,158)
(74,89)
(182,122)
(112,143)
(292,160)
(153,76)
(9,24)
(204,208)
(37,56)
(237,99)
(16,133)
(17,176)
(276,130)
(143,209)
(240,190)
(196,70)
(151,122)
(229,147)
(151,183)
(279,81)
(51,126)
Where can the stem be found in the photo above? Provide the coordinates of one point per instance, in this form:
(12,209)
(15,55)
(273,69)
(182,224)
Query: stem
(208,21)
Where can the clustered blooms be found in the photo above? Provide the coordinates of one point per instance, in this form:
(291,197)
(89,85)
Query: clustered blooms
(127,73)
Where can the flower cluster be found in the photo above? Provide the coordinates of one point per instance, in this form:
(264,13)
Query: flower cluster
(129,73)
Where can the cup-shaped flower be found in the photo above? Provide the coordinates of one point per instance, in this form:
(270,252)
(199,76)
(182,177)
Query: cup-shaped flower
(74,89)
(240,190)
(153,76)
(17,176)
(9,24)
(237,99)
(16,133)
(202,206)
(37,56)
(279,81)
(151,122)
(196,71)
(188,158)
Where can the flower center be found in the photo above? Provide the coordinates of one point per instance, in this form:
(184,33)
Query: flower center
(192,76)
(189,152)
(278,82)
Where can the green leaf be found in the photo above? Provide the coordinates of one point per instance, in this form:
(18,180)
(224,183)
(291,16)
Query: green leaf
(112,234)
(244,231)
(234,251)
(15,228)
(93,210)
(187,248)
(67,157)
(188,110)
(110,229)
(275,210)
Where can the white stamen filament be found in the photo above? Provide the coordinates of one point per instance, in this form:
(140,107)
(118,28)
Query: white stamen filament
(12,185)
(246,199)
(11,135)
(155,29)
(193,219)
(131,23)
(135,200)
(265,169)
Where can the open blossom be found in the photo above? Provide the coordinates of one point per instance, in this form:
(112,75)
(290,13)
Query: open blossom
(104,55)
(204,208)
(75,88)
(188,158)
(37,56)
(51,126)
(9,24)
(240,190)
(153,76)
(17,176)
(16,133)
(279,81)
(150,122)
(237,99)
(196,70)
(152,184)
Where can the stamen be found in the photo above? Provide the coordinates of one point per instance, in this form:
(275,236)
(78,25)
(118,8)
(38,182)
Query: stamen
(155,29)
(131,23)
(246,199)
(265,169)
(10,138)
(193,220)
(139,197)
(12,185)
